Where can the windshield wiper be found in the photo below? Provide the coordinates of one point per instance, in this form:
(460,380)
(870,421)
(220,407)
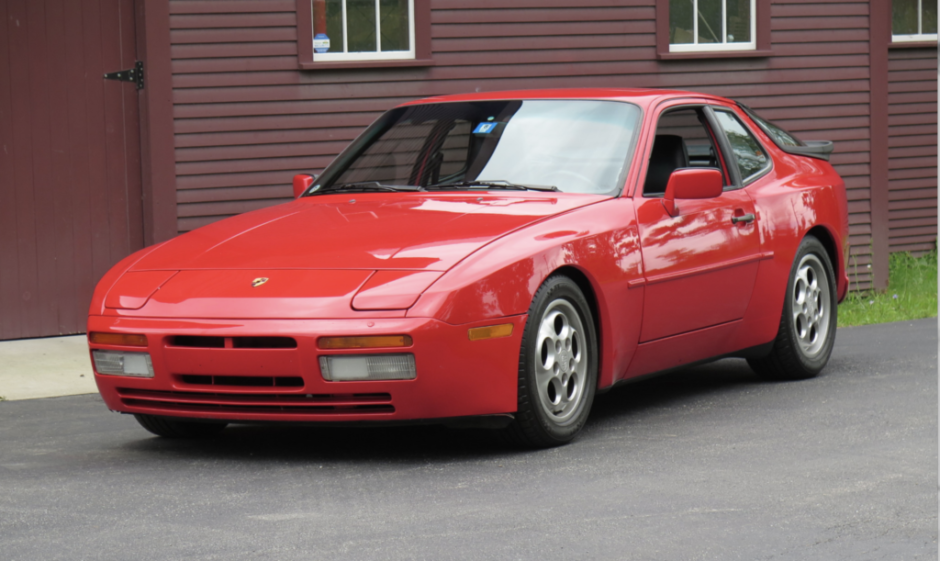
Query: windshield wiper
(491,184)
(364,186)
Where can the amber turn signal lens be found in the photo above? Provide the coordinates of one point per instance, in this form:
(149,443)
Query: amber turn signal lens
(373,342)
(490,332)
(123,339)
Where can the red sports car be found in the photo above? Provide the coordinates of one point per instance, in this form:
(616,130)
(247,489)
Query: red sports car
(489,259)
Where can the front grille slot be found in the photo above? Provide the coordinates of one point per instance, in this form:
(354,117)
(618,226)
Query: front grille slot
(284,404)
(264,342)
(209,342)
(244,381)
(197,342)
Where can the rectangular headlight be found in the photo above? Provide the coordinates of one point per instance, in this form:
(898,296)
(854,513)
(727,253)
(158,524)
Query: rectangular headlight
(119,363)
(345,368)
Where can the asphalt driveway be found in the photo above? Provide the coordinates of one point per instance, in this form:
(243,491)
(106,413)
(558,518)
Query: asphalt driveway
(706,463)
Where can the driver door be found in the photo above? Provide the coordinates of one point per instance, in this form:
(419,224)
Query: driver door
(700,266)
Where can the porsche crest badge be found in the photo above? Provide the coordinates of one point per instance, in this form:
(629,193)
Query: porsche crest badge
(259,281)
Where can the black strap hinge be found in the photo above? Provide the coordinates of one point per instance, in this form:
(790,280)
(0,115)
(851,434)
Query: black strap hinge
(135,75)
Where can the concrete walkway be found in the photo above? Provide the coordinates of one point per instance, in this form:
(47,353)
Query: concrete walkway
(48,367)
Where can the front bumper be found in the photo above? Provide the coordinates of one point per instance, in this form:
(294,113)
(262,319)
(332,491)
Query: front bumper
(456,377)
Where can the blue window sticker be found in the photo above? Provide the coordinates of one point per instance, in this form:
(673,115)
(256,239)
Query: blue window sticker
(484,128)
(321,43)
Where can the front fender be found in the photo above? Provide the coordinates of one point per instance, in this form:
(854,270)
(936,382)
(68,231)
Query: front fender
(500,279)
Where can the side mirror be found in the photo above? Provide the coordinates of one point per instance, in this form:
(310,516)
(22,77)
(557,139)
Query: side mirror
(692,183)
(302,182)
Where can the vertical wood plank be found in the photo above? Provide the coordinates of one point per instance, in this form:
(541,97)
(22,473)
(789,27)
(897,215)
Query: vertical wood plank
(9,261)
(44,216)
(80,186)
(28,311)
(56,192)
(880,35)
(95,137)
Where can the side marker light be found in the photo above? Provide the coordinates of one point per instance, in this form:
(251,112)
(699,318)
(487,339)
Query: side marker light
(490,332)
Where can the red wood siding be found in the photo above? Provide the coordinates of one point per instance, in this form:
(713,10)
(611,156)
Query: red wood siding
(246,118)
(69,159)
(912,149)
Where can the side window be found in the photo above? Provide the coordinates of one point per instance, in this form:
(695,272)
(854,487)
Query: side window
(748,154)
(683,140)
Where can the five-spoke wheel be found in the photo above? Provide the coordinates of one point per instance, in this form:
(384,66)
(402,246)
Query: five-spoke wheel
(561,363)
(557,366)
(808,324)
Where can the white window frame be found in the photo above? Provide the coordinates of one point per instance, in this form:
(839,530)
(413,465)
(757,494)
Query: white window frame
(697,47)
(373,55)
(919,36)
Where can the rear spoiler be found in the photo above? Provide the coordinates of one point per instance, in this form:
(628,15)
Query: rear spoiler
(819,149)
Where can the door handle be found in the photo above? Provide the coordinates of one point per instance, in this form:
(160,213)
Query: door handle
(748,218)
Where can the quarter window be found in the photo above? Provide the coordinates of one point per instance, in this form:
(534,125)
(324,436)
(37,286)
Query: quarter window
(351,30)
(748,154)
(712,25)
(913,20)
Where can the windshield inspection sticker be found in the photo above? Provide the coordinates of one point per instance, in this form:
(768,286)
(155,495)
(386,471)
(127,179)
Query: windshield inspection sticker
(484,128)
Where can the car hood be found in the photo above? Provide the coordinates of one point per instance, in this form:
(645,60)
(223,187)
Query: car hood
(374,231)
(329,256)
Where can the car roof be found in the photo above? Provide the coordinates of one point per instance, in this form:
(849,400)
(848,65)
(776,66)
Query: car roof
(643,97)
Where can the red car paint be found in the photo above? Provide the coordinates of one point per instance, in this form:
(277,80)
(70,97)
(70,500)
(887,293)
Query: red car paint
(668,290)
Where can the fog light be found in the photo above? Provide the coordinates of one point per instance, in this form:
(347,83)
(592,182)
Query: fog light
(368,367)
(119,363)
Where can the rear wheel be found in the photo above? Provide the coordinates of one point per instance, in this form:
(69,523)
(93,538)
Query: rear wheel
(807,329)
(557,367)
(179,428)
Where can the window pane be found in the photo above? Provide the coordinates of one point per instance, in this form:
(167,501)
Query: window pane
(578,146)
(751,158)
(709,21)
(360,24)
(904,16)
(739,21)
(780,136)
(328,24)
(680,21)
(393,24)
(930,16)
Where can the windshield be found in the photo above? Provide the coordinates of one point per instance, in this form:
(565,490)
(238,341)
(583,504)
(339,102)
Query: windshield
(578,146)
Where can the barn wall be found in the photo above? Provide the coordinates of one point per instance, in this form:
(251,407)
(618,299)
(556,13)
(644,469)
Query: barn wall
(246,118)
(912,149)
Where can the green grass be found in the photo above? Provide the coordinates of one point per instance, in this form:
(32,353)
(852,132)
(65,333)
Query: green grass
(912,294)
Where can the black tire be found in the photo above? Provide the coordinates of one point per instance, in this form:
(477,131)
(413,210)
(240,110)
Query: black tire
(168,427)
(560,306)
(795,356)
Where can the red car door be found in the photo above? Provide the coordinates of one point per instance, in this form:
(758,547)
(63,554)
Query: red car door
(700,265)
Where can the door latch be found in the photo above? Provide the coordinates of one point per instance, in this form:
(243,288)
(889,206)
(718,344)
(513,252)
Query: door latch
(747,218)
(135,75)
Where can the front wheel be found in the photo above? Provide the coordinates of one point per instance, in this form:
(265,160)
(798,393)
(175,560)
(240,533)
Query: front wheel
(557,366)
(807,329)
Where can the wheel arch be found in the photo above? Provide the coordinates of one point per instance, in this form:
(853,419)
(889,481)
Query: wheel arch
(590,294)
(826,238)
